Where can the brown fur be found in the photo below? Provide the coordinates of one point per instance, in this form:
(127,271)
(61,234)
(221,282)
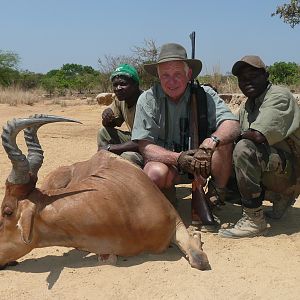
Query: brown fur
(104,205)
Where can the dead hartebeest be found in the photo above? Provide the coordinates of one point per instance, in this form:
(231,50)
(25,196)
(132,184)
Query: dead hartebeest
(104,205)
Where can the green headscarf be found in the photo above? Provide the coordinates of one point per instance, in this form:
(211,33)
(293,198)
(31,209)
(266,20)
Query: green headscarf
(126,70)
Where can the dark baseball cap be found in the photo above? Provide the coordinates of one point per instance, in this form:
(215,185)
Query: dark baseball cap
(250,60)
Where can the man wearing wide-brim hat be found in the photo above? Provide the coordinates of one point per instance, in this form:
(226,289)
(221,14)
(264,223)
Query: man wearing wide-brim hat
(161,129)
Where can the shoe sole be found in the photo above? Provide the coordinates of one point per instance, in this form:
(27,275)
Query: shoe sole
(261,233)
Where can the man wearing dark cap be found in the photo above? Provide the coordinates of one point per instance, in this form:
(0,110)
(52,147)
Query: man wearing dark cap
(125,83)
(266,157)
(163,109)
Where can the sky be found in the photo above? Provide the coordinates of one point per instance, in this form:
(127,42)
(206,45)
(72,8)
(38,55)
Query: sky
(49,33)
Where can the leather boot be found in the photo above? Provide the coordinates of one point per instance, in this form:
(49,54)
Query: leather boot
(251,224)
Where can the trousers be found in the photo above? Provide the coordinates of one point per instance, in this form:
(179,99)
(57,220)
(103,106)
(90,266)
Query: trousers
(260,167)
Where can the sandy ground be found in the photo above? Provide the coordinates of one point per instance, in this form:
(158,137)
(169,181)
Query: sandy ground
(265,267)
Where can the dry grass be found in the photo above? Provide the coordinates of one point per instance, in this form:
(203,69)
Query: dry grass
(15,96)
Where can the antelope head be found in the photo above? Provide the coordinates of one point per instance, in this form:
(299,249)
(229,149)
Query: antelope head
(19,203)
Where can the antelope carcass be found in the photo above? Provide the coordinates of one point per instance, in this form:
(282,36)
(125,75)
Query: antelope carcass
(105,205)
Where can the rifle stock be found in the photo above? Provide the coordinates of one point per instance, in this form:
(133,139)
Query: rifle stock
(200,210)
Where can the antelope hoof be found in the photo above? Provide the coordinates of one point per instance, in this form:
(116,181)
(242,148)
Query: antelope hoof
(107,259)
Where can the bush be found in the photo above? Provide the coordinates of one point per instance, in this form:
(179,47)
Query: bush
(287,73)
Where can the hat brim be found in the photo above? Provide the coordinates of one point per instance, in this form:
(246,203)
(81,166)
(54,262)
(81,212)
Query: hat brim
(239,65)
(194,64)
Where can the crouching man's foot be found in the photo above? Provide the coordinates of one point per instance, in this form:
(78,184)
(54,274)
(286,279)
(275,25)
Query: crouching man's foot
(280,204)
(251,224)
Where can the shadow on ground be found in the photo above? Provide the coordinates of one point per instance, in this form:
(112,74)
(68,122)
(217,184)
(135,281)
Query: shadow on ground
(75,259)
(231,213)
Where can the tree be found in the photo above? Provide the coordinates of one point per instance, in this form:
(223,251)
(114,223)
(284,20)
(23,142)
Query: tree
(70,77)
(287,73)
(8,67)
(49,84)
(110,63)
(29,80)
(148,53)
(145,54)
(290,12)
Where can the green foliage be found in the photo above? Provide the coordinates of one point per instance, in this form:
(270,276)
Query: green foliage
(84,79)
(49,84)
(9,60)
(287,73)
(8,68)
(29,80)
(69,78)
(289,12)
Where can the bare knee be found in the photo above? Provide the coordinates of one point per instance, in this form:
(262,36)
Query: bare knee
(160,174)
(222,164)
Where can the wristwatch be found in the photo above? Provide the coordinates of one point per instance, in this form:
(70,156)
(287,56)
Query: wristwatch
(108,147)
(215,139)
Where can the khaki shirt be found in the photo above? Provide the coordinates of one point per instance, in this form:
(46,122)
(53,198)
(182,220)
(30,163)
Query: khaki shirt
(122,111)
(275,114)
(158,118)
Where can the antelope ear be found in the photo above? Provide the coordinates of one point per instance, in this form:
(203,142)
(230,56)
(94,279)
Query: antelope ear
(26,220)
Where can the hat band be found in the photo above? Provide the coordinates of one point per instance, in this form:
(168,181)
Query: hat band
(169,58)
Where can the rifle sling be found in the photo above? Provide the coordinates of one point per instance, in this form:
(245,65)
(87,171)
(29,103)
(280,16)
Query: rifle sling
(201,111)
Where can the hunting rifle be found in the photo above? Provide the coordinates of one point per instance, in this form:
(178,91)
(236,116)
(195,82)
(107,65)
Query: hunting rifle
(198,119)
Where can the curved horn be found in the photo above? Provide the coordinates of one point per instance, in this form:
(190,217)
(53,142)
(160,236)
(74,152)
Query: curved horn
(20,169)
(20,166)
(35,153)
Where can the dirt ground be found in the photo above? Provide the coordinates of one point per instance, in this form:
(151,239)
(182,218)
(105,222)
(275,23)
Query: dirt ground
(265,267)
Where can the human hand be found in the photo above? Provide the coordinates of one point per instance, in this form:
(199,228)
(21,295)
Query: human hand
(209,143)
(185,161)
(108,117)
(254,136)
(202,161)
(105,147)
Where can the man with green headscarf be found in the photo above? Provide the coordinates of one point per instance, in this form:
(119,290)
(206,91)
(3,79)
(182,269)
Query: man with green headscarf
(125,83)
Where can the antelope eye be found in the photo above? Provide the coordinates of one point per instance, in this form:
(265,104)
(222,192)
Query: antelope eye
(7,211)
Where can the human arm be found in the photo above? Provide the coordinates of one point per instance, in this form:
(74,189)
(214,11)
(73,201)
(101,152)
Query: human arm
(222,123)
(152,152)
(278,116)
(254,136)
(129,146)
(226,133)
(182,160)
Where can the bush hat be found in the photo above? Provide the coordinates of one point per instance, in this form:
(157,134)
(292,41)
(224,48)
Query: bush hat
(174,52)
(250,60)
(125,70)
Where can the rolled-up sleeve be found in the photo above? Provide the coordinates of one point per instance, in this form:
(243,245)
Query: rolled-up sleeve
(146,125)
(278,116)
(218,111)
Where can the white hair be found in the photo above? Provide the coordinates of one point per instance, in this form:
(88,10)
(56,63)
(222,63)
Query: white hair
(185,66)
